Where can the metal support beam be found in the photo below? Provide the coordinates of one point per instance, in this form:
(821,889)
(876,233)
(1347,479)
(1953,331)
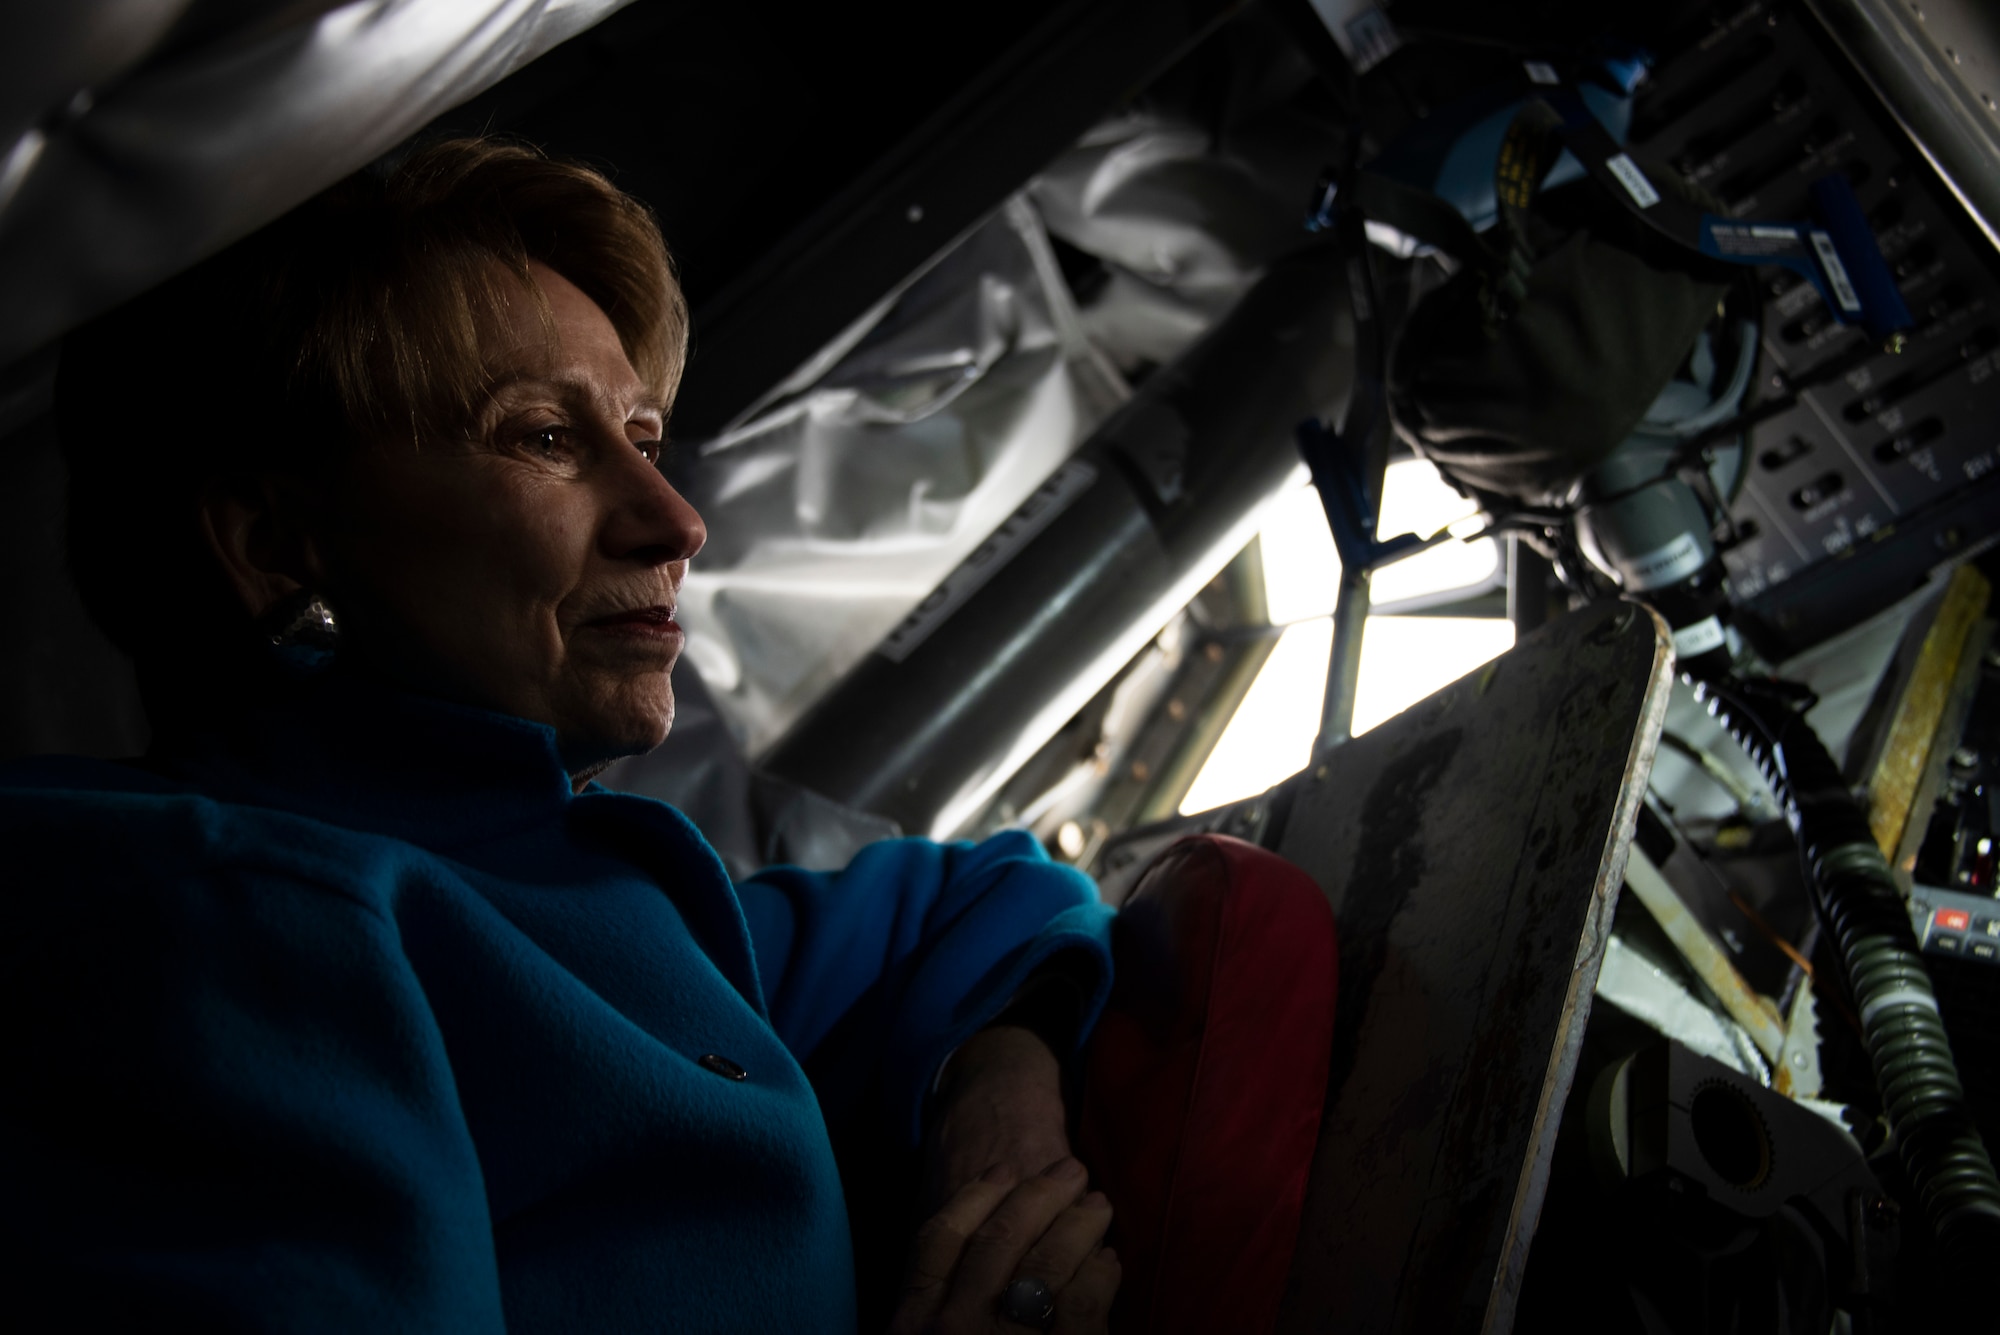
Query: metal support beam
(924,730)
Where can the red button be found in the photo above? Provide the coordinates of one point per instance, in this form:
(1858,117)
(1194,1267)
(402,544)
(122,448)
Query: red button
(1953,920)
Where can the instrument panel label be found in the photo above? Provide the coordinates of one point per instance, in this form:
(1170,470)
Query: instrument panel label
(1635,182)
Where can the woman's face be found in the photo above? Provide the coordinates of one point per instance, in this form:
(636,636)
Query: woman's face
(534,569)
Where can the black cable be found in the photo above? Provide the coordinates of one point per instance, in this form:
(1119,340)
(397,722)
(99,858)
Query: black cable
(1857,900)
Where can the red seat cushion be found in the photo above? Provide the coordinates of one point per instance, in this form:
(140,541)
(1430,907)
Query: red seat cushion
(1206,1078)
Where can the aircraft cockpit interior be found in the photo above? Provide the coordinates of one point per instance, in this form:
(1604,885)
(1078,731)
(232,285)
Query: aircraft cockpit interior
(1471,525)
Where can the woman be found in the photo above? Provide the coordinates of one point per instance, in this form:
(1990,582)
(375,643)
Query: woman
(356,1005)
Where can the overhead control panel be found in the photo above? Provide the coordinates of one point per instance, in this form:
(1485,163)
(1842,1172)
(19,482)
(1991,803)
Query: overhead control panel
(1893,450)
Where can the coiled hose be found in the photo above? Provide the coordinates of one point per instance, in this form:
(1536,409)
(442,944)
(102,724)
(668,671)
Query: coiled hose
(1858,902)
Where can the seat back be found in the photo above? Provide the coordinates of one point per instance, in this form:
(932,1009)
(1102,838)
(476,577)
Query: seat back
(1205,1084)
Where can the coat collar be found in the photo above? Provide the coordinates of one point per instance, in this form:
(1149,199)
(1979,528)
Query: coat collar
(486,790)
(309,736)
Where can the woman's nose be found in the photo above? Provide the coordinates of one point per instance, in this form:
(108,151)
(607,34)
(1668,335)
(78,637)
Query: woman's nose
(650,521)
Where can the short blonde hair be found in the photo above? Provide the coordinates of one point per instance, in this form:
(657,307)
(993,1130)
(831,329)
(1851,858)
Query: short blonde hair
(393,329)
(353,319)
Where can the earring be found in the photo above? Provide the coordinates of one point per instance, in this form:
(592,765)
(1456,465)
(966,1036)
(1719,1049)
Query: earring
(301,618)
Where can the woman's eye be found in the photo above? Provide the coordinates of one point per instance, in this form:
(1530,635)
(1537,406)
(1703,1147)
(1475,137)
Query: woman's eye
(548,441)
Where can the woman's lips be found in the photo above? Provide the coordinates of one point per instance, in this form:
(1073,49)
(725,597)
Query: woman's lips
(647,623)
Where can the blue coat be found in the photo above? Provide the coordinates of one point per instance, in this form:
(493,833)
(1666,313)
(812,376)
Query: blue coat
(358,1020)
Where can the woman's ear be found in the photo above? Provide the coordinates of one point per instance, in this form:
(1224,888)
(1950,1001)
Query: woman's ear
(253,526)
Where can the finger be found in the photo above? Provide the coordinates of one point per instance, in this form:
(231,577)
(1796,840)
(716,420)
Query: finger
(996,1247)
(1068,1242)
(1083,1306)
(934,1253)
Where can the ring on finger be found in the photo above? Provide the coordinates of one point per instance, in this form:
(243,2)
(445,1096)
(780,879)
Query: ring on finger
(1028,1302)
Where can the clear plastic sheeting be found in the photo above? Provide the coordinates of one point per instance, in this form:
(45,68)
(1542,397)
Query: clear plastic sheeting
(137,138)
(851,490)
(842,499)
(1183,228)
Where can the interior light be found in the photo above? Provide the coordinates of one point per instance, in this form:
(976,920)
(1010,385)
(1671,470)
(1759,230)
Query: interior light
(1271,733)
(1417,499)
(1302,569)
(1403,660)
(1301,566)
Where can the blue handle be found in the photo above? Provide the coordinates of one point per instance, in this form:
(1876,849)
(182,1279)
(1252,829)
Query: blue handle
(1884,314)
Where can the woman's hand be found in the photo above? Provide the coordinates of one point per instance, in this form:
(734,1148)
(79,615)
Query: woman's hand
(1002,1103)
(1000,1227)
